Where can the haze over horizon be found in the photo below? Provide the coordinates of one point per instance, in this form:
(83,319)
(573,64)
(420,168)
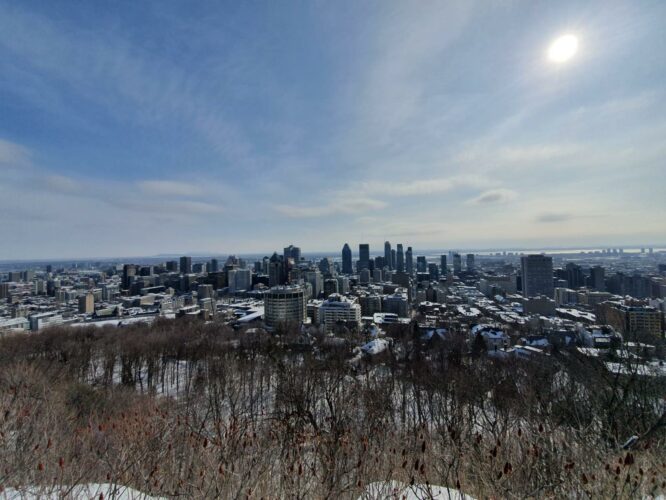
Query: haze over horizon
(150,128)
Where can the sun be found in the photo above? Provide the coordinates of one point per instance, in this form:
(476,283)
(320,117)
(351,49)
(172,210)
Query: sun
(563,48)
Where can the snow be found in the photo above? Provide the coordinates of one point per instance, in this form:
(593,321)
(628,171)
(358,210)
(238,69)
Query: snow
(375,347)
(397,490)
(90,490)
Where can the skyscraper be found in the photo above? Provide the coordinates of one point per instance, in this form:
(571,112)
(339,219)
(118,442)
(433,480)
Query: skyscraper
(409,261)
(457,264)
(186,265)
(574,274)
(363,256)
(346,260)
(597,278)
(400,259)
(387,255)
(421,264)
(443,265)
(393,258)
(292,252)
(470,262)
(276,270)
(537,279)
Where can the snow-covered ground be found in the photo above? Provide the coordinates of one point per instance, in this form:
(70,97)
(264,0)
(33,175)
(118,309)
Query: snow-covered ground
(397,490)
(81,491)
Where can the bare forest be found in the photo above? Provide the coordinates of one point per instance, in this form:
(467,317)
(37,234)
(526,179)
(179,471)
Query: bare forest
(185,409)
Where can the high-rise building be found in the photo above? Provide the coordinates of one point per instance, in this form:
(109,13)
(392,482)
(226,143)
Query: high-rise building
(343,284)
(346,260)
(537,275)
(276,270)
(316,281)
(4,290)
(363,256)
(598,278)
(387,255)
(284,303)
(172,266)
(292,252)
(393,259)
(574,275)
(330,286)
(457,264)
(433,270)
(409,261)
(129,272)
(421,264)
(470,262)
(339,311)
(214,265)
(326,266)
(442,264)
(186,265)
(400,259)
(87,303)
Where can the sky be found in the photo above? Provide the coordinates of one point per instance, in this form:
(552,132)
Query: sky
(145,128)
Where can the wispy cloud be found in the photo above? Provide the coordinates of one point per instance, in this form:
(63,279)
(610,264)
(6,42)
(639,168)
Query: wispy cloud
(493,196)
(553,217)
(170,188)
(13,155)
(346,206)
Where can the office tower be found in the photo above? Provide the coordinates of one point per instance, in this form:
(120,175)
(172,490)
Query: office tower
(370,304)
(574,275)
(433,270)
(49,268)
(346,260)
(470,262)
(326,265)
(129,272)
(409,261)
(276,270)
(292,252)
(364,276)
(339,311)
(186,265)
(330,286)
(400,259)
(284,303)
(442,260)
(537,275)
(316,281)
(214,265)
(172,266)
(4,290)
(87,303)
(421,264)
(393,259)
(377,276)
(242,280)
(457,264)
(14,276)
(387,255)
(363,256)
(343,284)
(397,303)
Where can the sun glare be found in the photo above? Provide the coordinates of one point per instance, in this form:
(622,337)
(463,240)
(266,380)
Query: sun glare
(563,48)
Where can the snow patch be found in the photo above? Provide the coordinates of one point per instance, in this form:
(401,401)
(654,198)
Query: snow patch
(90,490)
(385,490)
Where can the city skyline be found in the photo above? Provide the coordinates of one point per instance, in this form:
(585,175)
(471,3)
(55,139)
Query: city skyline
(147,129)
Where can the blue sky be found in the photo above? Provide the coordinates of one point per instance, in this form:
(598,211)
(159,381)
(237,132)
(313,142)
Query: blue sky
(140,128)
